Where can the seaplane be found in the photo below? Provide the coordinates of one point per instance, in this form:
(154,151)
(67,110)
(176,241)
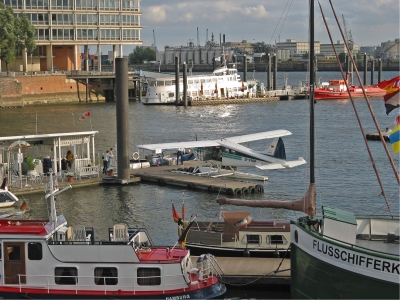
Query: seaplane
(222,157)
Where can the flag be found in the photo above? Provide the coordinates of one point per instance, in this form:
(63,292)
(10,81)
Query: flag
(182,238)
(392,97)
(175,215)
(23,206)
(394,136)
(84,115)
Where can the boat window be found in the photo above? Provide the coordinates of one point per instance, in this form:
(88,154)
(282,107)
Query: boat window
(148,276)
(208,79)
(214,79)
(196,81)
(276,239)
(202,80)
(251,239)
(160,83)
(14,252)
(152,83)
(105,276)
(35,251)
(66,276)
(190,81)
(171,94)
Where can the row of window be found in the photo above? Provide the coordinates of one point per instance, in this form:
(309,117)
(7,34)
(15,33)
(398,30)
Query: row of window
(69,275)
(269,239)
(88,34)
(125,5)
(82,19)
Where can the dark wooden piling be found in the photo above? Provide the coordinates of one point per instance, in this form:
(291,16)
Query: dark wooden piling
(365,68)
(185,98)
(244,68)
(372,71)
(275,60)
(379,70)
(177,100)
(269,73)
(122,116)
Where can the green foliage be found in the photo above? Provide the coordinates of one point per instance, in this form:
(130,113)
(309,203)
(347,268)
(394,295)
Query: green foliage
(32,162)
(342,57)
(140,54)
(15,33)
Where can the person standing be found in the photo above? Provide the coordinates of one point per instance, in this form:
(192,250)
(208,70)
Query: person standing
(70,159)
(106,160)
(180,153)
(110,164)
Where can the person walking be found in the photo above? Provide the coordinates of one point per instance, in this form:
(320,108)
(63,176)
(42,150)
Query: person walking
(180,153)
(106,160)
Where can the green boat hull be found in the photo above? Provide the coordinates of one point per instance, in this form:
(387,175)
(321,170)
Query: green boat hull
(312,278)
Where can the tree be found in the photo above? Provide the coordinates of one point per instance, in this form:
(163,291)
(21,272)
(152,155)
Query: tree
(15,34)
(342,57)
(140,54)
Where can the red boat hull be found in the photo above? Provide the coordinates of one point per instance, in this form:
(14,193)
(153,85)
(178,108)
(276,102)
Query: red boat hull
(356,92)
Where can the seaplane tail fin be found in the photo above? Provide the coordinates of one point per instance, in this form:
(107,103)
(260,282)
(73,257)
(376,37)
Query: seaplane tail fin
(282,165)
(276,149)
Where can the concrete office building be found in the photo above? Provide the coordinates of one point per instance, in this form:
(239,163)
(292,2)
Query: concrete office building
(63,26)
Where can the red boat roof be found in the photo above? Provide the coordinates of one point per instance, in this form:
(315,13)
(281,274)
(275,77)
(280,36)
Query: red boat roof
(33,227)
(162,254)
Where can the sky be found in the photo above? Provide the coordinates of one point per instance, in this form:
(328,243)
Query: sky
(175,22)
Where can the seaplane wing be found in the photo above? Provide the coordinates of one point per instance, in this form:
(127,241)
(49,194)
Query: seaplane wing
(282,165)
(259,136)
(191,144)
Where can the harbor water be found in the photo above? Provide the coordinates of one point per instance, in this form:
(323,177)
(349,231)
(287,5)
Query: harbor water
(344,174)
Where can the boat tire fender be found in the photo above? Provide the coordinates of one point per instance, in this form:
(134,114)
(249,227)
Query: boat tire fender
(245,191)
(160,182)
(259,188)
(238,192)
(210,189)
(229,191)
(135,155)
(252,190)
(190,186)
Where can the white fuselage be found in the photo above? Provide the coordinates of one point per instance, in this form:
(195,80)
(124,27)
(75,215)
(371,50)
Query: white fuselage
(222,83)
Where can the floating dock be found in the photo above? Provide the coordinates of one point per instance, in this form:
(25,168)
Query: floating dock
(253,270)
(375,136)
(165,175)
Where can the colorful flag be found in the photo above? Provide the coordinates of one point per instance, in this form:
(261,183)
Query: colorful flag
(23,206)
(175,215)
(86,114)
(182,238)
(392,97)
(394,135)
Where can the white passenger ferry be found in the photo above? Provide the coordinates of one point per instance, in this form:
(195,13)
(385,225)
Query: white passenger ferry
(49,259)
(223,83)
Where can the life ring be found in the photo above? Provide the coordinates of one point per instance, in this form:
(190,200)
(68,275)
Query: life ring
(210,189)
(190,186)
(160,182)
(238,192)
(229,191)
(135,156)
(245,191)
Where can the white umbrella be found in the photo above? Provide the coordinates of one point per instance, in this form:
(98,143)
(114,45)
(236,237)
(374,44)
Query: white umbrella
(19,145)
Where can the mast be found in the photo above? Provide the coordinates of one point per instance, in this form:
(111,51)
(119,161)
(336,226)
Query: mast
(312,86)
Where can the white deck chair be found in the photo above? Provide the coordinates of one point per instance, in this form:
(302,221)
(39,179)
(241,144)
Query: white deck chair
(120,232)
(78,233)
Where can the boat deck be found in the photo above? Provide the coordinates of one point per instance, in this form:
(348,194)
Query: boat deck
(379,245)
(161,254)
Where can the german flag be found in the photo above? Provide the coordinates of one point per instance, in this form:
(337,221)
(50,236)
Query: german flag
(175,215)
(182,239)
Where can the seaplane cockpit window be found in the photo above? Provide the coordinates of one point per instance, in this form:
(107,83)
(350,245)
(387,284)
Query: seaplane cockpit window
(35,251)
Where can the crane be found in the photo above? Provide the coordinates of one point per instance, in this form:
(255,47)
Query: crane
(154,41)
(348,35)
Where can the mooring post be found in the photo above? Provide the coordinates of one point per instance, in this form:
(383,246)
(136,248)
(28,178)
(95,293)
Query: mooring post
(140,90)
(365,68)
(244,68)
(185,99)
(379,70)
(122,116)
(372,71)
(275,72)
(177,100)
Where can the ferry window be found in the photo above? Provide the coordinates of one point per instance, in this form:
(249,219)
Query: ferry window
(196,81)
(35,251)
(1,253)
(208,79)
(276,239)
(252,239)
(110,275)
(202,80)
(14,252)
(148,276)
(190,81)
(66,276)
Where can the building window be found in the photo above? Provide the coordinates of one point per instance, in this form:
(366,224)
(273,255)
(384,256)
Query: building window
(131,5)
(105,276)
(130,34)
(35,251)
(148,276)
(66,276)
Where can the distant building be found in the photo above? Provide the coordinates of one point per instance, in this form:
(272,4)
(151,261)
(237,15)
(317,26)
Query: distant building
(327,49)
(391,50)
(64,25)
(296,49)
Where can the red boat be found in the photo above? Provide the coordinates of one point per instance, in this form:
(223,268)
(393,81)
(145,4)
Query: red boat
(337,90)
